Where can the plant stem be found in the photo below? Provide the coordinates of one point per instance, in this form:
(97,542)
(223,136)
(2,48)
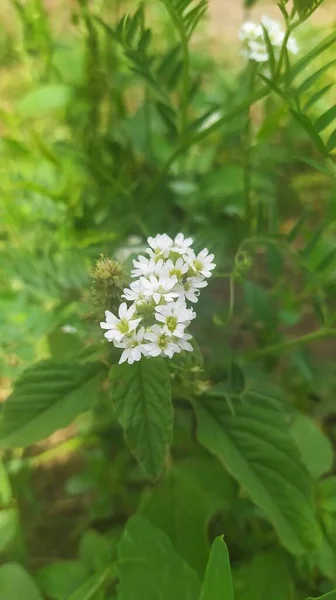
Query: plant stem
(231,301)
(185,87)
(247,151)
(299,341)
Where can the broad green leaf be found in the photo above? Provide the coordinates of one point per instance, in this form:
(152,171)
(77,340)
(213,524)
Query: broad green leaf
(47,396)
(60,579)
(142,400)
(327,494)
(95,550)
(257,449)
(40,101)
(266,577)
(202,483)
(315,448)
(217,584)
(16,583)
(150,568)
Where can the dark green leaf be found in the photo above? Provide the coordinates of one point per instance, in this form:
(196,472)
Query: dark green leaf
(256,448)
(266,577)
(142,399)
(329,596)
(311,81)
(302,64)
(48,396)
(149,565)
(217,584)
(306,7)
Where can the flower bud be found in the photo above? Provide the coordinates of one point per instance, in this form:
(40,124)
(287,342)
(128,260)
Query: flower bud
(108,282)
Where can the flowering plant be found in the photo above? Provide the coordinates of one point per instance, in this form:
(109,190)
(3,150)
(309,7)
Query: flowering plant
(155,323)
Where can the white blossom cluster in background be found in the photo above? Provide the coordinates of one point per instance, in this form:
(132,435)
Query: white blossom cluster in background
(155,321)
(252,37)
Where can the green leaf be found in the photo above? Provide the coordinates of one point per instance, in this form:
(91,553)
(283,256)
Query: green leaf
(266,577)
(142,400)
(326,119)
(317,96)
(44,99)
(331,143)
(16,583)
(97,582)
(149,566)
(294,232)
(48,396)
(9,527)
(202,483)
(310,56)
(312,79)
(306,7)
(257,449)
(315,448)
(217,584)
(60,579)
(95,550)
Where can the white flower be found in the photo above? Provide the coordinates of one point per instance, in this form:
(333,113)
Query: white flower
(133,346)
(181,244)
(203,263)
(191,287)
(159,288)
(160,245)
(146,266)
(118,328)
(69,329)
(252,36)
(135,293)
(183,343)
(175,317)
(178,268)
(160,344)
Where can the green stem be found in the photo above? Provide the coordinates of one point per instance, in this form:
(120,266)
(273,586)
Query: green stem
(231,301)
(185,88)
(247,151)
(299,341)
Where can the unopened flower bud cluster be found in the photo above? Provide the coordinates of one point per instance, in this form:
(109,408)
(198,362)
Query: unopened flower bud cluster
(154,319)
(252,37)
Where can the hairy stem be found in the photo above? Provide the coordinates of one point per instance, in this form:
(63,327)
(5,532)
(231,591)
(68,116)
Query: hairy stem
(299,341)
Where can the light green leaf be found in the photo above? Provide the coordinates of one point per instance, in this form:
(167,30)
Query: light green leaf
(40,101)
(142,400)
(48,396)
(266,577)
(62,578)
(150,568)
(217,584)
(315,448)
(16,583)
(256,447)
(9,526)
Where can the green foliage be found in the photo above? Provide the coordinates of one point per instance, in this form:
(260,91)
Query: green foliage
(142,400)
(148,562)
(118,481)
(48,396)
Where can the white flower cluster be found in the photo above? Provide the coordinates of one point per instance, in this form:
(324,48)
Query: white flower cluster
(252,36)
(155,323)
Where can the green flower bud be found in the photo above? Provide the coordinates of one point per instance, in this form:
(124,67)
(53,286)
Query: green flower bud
(108,282)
